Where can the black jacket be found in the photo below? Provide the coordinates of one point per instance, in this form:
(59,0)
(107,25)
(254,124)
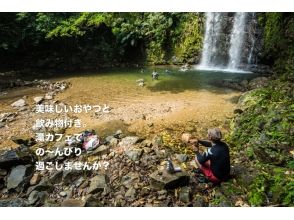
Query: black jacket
(218,154)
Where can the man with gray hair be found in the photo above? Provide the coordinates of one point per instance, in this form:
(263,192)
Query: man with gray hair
(214,163)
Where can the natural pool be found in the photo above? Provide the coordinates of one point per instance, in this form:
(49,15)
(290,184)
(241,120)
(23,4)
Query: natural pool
(178,101)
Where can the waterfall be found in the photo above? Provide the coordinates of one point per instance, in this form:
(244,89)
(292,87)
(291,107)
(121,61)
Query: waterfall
(223,51)
(237,39)
(212,31)
(252,39)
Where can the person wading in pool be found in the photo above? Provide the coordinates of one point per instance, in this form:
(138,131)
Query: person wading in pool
(214,163)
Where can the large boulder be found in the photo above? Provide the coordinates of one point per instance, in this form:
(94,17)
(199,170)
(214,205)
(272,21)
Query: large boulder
(128,142)
(98,184)
(19,176)
(16,157)
(37,198)
(164,180)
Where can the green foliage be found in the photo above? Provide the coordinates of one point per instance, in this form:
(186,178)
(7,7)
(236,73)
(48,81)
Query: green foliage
(272,31)
(257,191)
(265,132)
(279,40)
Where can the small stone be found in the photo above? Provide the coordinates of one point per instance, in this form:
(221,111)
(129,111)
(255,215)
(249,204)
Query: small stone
(128,142)
(131,193)
(98,183)
(38,99)
(63,193)
(19,103)
(73,203)
(35,179)
(135,154)
(128,180)
(164,180)
(145,191)
(118,134)
(184,194)
(157,141)
(37,198)
(3,172)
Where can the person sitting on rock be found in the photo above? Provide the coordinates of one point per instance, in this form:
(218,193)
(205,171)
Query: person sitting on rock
(214,163)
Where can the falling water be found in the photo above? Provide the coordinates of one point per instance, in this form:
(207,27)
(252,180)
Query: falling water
(212,31)
(237,39)
(215,53)
(252,39)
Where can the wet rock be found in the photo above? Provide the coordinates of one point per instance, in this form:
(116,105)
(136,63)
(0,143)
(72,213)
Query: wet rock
(16,157)
(73,203)
(103,149)
(19,103)
(37,198)
(98,183)
(17,202)
(35,179)
(163,180)
(38,99)
(128,142)
(184,194)
(181,157)
(134,154)
(19,176)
